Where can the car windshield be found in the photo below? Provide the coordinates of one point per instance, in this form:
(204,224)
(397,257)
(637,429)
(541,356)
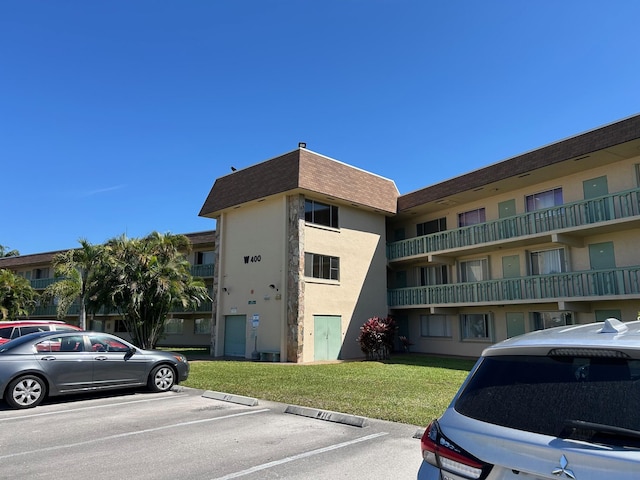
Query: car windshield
(569,397)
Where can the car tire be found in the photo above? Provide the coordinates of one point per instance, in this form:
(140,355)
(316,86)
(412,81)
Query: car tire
(27,391)
(162,378)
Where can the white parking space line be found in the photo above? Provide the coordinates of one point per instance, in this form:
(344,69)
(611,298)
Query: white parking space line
(79,409)
(129,434)
(293,458)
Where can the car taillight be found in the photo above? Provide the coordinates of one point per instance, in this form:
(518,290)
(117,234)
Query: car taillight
(440,452)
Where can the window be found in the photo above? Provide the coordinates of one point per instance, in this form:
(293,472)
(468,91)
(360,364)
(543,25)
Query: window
(432,226)
(472,217)
(321,213)
(433,275)
(119,327)
(476,326)
(104,343)
(40,273)
(435,326)
(202,326)
(525,392)
(474,270)
(546,262)
(174,326)
(321,266)
(204,258)
(550,198)
(544,320)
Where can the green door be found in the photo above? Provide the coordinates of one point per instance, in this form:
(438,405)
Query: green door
(235,335)
(511,266)
(515,324)
(507,225)
(601,257)
(327,333)
(599,209)
(596,187)
(507,208)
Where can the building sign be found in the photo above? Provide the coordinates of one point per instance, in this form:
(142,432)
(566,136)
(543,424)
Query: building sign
(252,259)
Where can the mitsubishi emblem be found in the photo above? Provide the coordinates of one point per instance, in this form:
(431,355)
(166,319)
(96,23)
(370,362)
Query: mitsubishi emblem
(563,471)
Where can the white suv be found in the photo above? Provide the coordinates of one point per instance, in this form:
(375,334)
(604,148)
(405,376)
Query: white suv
(562,403)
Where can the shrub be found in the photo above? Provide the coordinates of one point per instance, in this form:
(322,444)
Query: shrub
(376,337)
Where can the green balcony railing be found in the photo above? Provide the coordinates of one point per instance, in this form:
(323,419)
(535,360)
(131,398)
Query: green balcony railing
(205,270)
(584,212)
(202,271)
(204,307)
(42,283)
(554,287)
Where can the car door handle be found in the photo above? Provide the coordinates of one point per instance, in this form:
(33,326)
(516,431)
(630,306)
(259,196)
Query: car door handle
(48,358)
(101,358)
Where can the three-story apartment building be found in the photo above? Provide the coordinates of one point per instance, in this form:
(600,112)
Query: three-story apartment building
(543,239)
(307,248)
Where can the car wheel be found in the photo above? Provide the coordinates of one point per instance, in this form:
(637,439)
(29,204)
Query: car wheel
(25,392)
(162,378)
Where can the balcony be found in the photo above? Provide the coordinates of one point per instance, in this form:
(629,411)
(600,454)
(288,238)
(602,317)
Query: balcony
(588,285)
(42,283)
(569,217)
(205,307)
(202,271)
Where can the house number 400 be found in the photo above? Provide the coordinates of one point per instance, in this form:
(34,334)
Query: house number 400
(252,259)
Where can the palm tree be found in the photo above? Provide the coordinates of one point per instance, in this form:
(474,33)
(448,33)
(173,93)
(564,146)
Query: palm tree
(145,279)
(76,269)
(5,252)
(17,297)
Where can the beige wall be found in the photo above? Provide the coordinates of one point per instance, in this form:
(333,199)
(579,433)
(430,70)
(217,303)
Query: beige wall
(252,258)
(259,232)
(361,291)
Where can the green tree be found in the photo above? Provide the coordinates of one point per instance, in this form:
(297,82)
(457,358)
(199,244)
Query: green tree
(145,279)
(17,296)
(5,252)
(75,270)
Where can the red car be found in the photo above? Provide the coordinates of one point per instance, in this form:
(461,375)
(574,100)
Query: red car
(14,329)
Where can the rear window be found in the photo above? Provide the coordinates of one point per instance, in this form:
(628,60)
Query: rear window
(548,394)
(5,332)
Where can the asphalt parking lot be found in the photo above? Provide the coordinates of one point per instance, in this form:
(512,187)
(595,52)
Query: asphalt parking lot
(191,434)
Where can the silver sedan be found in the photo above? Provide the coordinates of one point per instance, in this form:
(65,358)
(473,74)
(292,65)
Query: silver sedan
(44,364)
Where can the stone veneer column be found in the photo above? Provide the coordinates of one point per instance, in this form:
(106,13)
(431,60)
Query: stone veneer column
(295,278)
(214,294)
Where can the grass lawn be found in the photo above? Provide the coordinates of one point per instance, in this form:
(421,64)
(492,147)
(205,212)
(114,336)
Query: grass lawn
(409,388)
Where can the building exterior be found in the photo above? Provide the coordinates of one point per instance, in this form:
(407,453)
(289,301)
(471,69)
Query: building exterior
(307,248)
(543,239)
(300,257)
(182,329)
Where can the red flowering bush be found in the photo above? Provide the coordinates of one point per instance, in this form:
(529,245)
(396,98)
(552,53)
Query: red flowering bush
(376,337)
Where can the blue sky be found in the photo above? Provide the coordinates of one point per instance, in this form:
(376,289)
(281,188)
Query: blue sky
(117,116)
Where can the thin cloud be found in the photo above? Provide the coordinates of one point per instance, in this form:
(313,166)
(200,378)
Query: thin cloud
(99,191)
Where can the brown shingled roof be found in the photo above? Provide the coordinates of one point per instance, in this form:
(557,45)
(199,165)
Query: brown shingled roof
(305,171)
(197,239)
(602,138)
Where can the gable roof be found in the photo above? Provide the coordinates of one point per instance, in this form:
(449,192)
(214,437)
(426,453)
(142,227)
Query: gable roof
(301,171)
